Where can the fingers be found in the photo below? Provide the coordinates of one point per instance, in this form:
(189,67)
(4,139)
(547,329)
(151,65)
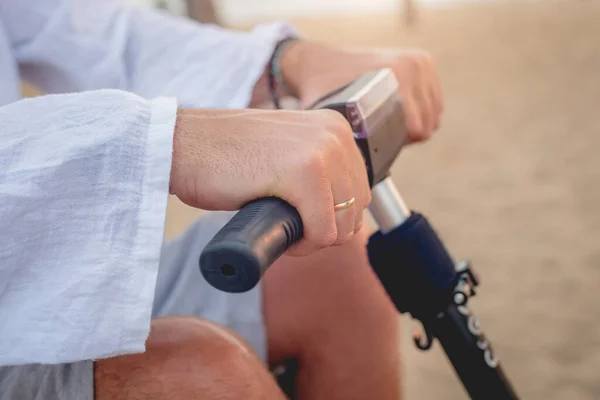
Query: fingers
(350,196)
(361,185)
(434,88)
(423,100)
(323,225)
(314,202)
(413,118)
(422,94)
(436,84)
(343,183)
(359,180)
(343,193)
(346,184)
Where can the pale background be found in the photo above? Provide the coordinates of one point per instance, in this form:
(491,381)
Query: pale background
(512,181)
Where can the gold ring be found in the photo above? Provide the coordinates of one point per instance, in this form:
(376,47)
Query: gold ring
(344,205)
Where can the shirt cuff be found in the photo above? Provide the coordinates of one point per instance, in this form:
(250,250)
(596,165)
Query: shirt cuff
(151,220)
(263,39)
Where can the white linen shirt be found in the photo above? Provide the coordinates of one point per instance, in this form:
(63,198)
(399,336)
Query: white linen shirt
(84,170)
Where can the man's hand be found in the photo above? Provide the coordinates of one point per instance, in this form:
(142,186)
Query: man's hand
(225,159)
(312,70)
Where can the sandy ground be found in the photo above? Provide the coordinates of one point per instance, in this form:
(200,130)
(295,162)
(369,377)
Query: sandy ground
(511,182)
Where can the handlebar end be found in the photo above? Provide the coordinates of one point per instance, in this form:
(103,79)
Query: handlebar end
(240,253)
(230,266)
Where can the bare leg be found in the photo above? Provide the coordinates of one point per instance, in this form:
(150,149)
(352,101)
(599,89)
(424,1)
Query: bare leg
(186,358)
(331,312)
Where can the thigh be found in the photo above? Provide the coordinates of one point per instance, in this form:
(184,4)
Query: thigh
(329,299)
(73,381)
(186,358)
(182,290)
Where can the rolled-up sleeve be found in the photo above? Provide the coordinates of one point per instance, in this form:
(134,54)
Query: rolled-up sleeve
(74,45)
(83,194)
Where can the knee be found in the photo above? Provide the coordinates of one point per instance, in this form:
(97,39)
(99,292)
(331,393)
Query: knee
(184,358)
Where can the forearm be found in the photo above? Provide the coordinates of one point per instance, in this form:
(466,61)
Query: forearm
(75,45)
(201,65)
(83,188)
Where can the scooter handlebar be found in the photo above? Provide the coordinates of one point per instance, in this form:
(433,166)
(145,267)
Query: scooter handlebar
(240,253)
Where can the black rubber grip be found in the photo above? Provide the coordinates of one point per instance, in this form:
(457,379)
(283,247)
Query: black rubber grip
(257,235)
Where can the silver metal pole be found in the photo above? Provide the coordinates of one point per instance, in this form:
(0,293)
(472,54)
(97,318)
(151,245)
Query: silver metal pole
(387,206)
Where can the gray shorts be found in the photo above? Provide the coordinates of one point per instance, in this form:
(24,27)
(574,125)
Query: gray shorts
(180,290)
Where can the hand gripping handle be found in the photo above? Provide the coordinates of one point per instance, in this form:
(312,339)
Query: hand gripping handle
(240,253)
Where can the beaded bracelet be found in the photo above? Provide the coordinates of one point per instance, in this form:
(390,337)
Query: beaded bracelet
(274,75)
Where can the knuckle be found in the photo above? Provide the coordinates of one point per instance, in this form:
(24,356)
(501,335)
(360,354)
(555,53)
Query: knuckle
(346,135)
(413,124)
(418,59)
(367,198)
(414,131)
(421,57)
(333,139)
(413,61)
(330,147)
(425,57)
(314,163)
(425,133)
(345,239)
(416,135)
(336,122)
(359,225)
(331,116)
(327,239)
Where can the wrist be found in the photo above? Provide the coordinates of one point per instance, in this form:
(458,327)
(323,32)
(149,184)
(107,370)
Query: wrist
(307,68)
(281,76)
(291,66)
(184,143)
